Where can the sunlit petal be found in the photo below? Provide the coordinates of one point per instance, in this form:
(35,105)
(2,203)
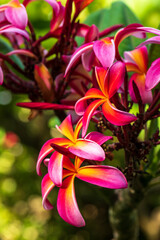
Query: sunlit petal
(87,149)
(16,14)
(103,176)
(66,128)
(55,168)
(81,104)
(98,137)
(89,113)
(46,186)
(139,57)
(105,51)
(47,149)
(67,205)
(115,116)
(101,75)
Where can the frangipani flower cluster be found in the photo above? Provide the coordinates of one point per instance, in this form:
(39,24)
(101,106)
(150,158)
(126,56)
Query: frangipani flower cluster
(62,172)
(82,84)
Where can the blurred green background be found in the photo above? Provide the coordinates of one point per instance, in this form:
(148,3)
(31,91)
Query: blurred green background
(21,214)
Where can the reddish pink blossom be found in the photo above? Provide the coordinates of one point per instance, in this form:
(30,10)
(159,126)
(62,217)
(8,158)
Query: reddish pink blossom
(109,82)
(87,147)
(100,175)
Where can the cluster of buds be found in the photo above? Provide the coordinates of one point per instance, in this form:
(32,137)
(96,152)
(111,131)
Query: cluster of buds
(93,84)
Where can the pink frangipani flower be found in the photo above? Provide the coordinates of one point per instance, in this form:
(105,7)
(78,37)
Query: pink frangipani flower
(87,147)
(137,62)
(100,175)
(109,82)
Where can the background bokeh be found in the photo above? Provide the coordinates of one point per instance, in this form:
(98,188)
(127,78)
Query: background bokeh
(21,214)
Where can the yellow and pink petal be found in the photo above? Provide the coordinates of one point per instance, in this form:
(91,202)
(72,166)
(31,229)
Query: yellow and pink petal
(66,128)
(103,176)
(87,149)
(47,149)
(46,186)
(67,205)
(115,116)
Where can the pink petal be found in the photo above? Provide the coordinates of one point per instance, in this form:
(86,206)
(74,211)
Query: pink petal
(155,40)
(87,149)
(47,149)
(55,167)
(98,137)
(139,79)
(103,176)
(153,75)
(46,186)
(67,205)
(10,29)
(89,113)
(81,104)
(16,14)
(115,116)
(1,76)
(115,77)
(105,51)
(66,128)
(76,56)
(44,106)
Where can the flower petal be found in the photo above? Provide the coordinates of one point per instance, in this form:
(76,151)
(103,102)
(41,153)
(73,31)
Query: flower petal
(98,137)
(44,106)
(105,51)
(89,113)
(139,79)
(103,176)
(1,76)
(12,29)
(66,128)
(47,149)
(46,186)
(139,57)
(16,14)
(67,205)
(81,104)
(87,149)
(55,168)
(22,52)
(115,116)
(76,56)
(153,75)
(101,76)
(115,77)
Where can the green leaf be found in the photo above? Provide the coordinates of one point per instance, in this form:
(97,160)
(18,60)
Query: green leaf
(154,52)
(5,48)
(119,13)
